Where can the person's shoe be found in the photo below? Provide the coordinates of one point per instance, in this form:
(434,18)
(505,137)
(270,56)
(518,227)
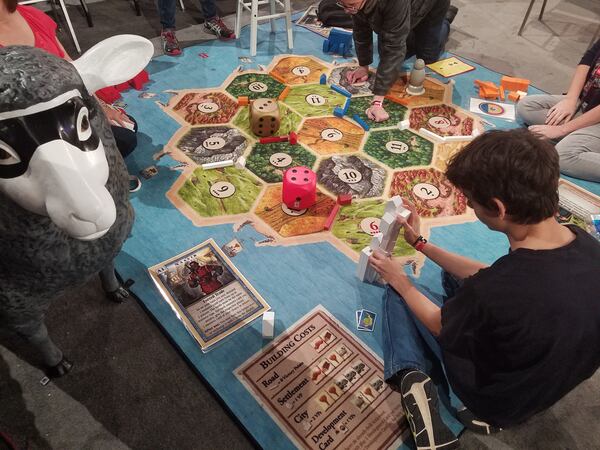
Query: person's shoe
(420,403)
(451,14)
(170,43)
(217,26)
(468,419)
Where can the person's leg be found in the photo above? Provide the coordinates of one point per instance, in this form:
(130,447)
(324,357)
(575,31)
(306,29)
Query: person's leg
(406,369)
(432,32)
(533,109)
(212,21)
(579,154)
(125,138)
(209,9)
(166,11)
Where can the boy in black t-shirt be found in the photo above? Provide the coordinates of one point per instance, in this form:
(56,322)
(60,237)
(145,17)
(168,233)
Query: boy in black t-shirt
(573,119)
(516,336)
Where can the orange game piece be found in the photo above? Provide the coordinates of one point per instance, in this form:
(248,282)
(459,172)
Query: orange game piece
(278,77)
(487,93)
(284,94)
(513,96)
(502,95)
(243,101)
(515,84)
(487,84)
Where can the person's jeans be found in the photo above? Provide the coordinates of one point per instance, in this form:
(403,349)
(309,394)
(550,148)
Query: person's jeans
(407,344)
(166,11)
(428,39)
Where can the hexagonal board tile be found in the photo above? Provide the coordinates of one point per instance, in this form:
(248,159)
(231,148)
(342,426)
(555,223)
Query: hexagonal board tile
(290,121)
(298,70)
(205,108)
(430,191)
(443,120)
(443,153)
(356,224)
(339,76)
(269,161)
(399,148)
(314,100)
(220,192)
(435,92)
(290,223)
(331,135)
(255,85)
(211,144)
(352,175)
(359,105)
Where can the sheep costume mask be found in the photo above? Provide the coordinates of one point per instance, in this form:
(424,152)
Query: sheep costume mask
(64,200)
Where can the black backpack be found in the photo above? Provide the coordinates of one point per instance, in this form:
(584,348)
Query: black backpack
(333,15)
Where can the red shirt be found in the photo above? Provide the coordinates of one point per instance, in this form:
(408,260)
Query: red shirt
(43,28)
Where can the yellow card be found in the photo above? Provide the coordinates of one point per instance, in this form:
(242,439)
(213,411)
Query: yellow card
(450,67)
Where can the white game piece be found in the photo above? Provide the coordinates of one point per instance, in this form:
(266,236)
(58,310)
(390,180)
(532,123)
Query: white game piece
(240,163)
(217,165)
(268,325)
(404,124)
(362,270)
(425,132)
(460,138)
(393,204)
(417,78)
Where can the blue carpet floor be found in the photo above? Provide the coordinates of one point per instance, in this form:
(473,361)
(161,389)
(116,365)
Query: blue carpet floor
(292,279)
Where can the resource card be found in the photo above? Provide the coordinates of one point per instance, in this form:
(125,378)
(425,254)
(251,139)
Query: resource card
(324,388)
(450,67)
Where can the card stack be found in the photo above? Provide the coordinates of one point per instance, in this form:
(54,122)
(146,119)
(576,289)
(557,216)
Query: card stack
(365,320)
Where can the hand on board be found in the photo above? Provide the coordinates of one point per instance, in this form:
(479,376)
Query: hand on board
(359,75)
(377,113)
(117,116)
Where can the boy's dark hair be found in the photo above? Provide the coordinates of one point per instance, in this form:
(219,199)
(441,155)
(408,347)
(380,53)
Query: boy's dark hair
(11,5)
(513,166)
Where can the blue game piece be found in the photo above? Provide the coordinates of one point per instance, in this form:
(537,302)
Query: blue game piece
(341,90)
(338,112)
(346,106)
(361,122)
(339,41)
(323,79)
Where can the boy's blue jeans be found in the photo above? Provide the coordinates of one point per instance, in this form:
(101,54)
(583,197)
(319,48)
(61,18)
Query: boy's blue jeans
(407,344)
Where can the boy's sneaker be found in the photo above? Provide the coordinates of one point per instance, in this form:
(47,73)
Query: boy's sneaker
(170,43)
(420,403)
(217,26)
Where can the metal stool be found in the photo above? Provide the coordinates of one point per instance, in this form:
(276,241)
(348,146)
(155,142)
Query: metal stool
(541,16)
(252,6)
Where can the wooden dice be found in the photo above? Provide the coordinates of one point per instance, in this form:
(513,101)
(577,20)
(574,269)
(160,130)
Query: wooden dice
(264,117)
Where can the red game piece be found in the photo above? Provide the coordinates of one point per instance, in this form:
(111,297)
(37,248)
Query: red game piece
(122,87)
(108,94)
(344,199)
(331,218)
(293,138)
(299,188)
(139,80)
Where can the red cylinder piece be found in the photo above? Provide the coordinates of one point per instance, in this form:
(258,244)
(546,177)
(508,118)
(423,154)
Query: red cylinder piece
(272,139)
(293,138)
(299,188)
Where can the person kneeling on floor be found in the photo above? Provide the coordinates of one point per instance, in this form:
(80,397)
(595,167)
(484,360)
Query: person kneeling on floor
(513,337)
(571,120)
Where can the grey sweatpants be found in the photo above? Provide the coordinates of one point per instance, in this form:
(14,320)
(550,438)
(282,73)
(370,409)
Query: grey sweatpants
(579,151)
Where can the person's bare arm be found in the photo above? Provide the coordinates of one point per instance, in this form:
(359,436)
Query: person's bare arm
(459,266)
(564,110)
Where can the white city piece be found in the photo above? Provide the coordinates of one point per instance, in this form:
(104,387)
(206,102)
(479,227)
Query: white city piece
(268,325)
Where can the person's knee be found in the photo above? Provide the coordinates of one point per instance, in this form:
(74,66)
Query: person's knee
(125,139)
(524,107)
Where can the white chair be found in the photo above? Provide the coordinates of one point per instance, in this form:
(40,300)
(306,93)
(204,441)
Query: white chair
(65,13)
(253,7)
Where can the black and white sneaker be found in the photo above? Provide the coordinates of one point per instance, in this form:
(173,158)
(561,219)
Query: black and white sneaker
(420,403)
(468,419)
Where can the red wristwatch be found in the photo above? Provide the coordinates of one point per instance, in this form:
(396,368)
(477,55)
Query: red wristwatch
(420,243)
